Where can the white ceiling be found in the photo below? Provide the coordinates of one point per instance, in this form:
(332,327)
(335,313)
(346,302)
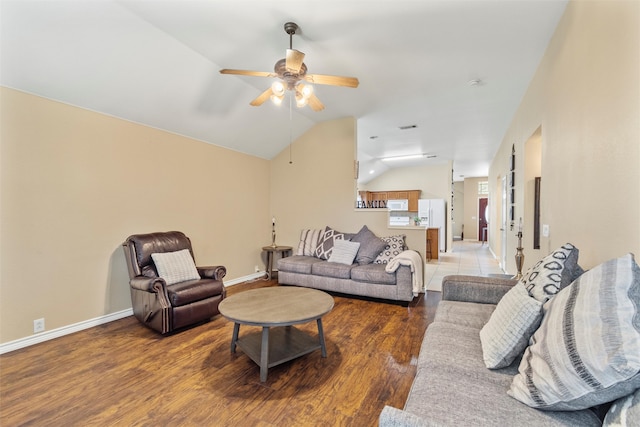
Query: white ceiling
(156,63)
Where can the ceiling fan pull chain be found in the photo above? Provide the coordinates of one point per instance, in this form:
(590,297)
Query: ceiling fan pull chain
(290,129)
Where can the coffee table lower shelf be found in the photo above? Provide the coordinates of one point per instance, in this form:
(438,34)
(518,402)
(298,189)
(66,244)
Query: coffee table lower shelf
(282,344)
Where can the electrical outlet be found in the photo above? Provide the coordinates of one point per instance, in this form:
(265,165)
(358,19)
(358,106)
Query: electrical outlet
(38,325)
(257,269)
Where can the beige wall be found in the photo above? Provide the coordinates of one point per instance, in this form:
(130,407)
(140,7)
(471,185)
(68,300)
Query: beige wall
(319,187)
(458,208)
(585,97)
(76,183)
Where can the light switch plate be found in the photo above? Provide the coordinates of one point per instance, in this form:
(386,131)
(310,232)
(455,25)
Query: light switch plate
(545,230)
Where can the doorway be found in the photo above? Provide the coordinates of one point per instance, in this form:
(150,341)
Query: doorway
(483,229)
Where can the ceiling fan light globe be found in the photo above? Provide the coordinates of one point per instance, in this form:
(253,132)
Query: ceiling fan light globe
(301,101)
(278,88)
(305,90)
(277,100)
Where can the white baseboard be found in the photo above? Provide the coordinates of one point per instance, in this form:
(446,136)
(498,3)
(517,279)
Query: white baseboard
(86,324)
(243,279)
(65,330)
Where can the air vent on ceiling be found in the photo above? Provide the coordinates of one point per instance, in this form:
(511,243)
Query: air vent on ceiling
(408,127)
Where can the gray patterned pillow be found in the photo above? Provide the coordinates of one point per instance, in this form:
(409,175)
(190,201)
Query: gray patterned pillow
(587,350)
(326,241)
(624,411)
(395,246)
(552,273)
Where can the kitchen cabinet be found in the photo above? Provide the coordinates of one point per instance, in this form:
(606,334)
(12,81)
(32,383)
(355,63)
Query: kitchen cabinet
(432,243)
(411,195)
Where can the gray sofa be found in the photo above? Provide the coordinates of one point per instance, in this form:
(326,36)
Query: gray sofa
(452,384)
(369,280)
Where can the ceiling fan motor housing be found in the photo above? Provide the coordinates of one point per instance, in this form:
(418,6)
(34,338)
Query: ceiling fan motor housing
(290,78)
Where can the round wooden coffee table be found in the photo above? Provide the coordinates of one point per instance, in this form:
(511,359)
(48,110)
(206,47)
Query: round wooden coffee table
(277,308)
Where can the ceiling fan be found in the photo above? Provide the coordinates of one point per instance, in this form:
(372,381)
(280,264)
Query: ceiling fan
(292,71)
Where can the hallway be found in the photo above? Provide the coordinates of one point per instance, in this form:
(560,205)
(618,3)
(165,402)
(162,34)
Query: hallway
(472,258)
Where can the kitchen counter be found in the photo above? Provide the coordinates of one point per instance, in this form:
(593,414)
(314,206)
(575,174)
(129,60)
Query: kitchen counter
(407,227)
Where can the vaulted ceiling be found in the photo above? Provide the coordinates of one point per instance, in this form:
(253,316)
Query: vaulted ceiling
(456,70)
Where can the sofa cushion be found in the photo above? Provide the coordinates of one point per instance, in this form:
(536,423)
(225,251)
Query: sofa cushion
(507,333)
(308,242)
(297,264)
(331,269)
(370,245)
(439,350)
(552,273)
(588,342)
(326,242)
(190,291)
(395,246)
(374,273)
(175,267)
(344,252)
(452,398)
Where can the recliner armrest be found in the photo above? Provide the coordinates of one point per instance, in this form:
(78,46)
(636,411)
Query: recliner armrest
(149,284)
(484,290)
(213,272)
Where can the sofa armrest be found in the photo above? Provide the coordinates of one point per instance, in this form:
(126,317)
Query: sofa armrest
(484,290)
(149,284)
(394,417)
(216,272)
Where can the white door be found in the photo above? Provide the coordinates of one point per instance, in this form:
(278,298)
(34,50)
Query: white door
(503,226)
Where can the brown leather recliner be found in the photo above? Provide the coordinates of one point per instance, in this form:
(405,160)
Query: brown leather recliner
(163,307)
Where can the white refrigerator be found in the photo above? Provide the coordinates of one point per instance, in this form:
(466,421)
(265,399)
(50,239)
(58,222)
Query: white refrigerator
(433,214)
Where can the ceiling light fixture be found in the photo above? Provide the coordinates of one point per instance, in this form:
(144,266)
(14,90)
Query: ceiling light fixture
(410,156)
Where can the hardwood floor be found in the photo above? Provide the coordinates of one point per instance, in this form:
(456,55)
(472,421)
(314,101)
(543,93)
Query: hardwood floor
(125,374)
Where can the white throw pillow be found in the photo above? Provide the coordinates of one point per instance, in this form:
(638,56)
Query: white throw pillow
(507,333)
(587,350)
(344,251)
(175,267)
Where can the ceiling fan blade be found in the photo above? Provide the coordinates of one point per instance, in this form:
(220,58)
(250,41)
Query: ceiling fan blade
(248,73)
(332,80)
(261,98)
(314,103)
(294,60)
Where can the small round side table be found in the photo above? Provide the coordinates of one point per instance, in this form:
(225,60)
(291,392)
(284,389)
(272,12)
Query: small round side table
(284,252)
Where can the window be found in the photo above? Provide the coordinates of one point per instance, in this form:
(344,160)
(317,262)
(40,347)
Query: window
(483,187)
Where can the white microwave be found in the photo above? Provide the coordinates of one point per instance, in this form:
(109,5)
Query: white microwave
(398,205)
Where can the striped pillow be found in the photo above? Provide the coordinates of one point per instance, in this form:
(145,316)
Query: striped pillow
(587,349)
(505,336)
(344,252)
(308,242)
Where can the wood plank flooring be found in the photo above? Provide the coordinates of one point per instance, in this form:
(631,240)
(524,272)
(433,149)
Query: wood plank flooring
(124,374)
